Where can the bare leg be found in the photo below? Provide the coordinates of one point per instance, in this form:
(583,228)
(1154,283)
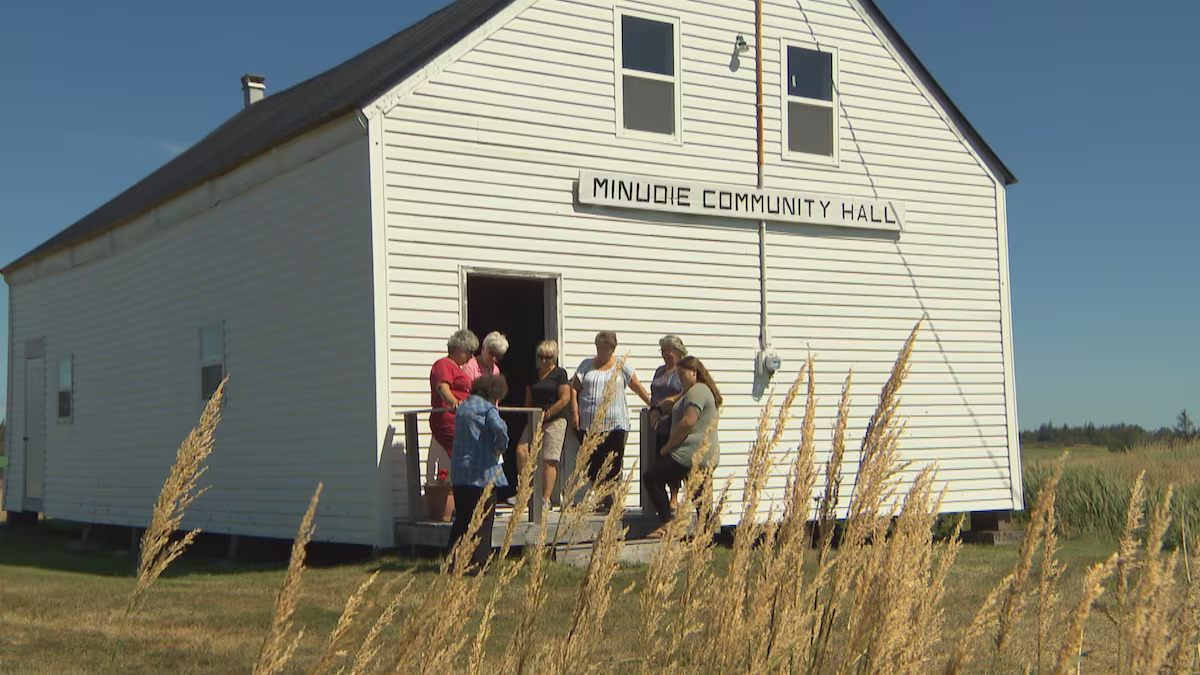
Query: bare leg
(522,457)
(549,478)
(436,458)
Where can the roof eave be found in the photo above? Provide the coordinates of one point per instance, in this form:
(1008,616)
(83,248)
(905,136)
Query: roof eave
(960,120)
(42,252)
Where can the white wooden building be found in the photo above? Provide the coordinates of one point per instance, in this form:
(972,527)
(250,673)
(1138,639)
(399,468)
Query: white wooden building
(550,168)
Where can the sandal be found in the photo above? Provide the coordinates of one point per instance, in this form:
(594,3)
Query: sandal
(657,533)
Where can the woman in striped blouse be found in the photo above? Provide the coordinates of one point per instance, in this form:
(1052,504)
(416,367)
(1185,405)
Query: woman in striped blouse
(587,389)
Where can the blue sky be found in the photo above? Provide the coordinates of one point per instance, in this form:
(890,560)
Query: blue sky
(1093,105)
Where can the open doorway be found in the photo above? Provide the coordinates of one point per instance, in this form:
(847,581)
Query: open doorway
(525,309)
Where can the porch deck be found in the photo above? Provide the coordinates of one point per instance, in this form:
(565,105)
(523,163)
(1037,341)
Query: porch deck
(413,531)
(431,534)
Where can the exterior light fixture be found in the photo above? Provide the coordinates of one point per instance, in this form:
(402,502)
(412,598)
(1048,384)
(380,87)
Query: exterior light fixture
(740,44)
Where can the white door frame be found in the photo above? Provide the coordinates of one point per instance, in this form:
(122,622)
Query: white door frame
(552,284)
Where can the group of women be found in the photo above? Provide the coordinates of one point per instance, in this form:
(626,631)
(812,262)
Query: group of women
(468,430)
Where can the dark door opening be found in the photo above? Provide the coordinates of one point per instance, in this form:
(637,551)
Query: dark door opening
(525,310)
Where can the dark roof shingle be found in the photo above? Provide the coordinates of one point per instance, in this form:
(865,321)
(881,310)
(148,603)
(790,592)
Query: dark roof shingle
(284,116)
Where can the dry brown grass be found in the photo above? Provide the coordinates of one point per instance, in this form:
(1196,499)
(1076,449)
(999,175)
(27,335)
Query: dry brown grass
(1164,463)
(337,637)
(178,492)
(871,597)
(282,639)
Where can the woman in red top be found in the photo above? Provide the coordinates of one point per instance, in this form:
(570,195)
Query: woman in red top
(449,384)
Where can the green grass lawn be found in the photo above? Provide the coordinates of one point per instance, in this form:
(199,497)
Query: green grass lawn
(1049,453)
(62,610)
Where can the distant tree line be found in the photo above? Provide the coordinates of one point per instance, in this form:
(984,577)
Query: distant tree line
(1114,436)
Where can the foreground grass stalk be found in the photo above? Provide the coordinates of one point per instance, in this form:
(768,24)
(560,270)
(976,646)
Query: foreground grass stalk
(432,637)
(1153,598)
(177,494)
(576,512)
(525,480)
(368,650)
(1050,569)
(595,593)
(354,604)
(1071,651)
(1002,605)
(475,666)
(833,473)
(518,654)
(731,626)
(281,641)
(1127,563)
(848,590)
(875,603)
(696,601)
(777,612)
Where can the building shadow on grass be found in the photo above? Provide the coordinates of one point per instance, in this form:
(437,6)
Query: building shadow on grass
(104,550)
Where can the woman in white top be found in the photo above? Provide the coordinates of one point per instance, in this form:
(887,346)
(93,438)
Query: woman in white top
(587,392)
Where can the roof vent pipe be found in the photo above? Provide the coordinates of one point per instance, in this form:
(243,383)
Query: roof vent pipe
(254,88)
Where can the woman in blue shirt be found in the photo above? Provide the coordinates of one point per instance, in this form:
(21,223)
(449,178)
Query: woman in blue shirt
(480,439)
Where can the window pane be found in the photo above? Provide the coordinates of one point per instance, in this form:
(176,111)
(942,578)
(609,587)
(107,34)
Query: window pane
(212,343)
(648,45)
(649,105)
(64,374)
(810,74)
(810,129)
(64,404)
(210,379)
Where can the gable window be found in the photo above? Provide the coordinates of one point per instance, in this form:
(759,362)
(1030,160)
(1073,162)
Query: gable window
(810,104)
(212,359)
(647,77)
(66,388)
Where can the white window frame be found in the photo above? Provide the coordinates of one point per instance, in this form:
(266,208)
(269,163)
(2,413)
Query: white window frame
(786,152)
(619,80)
(69,360)
(204,363)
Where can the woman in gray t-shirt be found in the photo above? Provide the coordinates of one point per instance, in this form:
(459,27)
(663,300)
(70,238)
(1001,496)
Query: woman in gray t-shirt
(694,441)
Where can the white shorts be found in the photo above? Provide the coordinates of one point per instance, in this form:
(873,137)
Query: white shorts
(553,435)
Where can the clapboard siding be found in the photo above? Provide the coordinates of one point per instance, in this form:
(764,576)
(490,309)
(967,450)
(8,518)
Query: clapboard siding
(286,266)
(479,165)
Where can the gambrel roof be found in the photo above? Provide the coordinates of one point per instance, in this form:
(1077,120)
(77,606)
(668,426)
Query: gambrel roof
(350,86)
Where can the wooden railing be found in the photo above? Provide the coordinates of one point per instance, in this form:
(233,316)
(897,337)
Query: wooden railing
(410,421)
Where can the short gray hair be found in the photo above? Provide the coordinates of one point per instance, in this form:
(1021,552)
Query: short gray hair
(673,343)
(462,339)
(496,344)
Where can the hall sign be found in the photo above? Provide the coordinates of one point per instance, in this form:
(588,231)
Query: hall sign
(704,199)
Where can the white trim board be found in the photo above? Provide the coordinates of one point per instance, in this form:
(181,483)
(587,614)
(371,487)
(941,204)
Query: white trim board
(383,511)
(1007,351)
(390,99)
(921,84)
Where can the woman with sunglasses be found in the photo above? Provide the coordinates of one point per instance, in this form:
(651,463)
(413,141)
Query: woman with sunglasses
(551,392)
(693,442)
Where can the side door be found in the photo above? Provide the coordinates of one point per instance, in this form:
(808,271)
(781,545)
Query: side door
(34,439)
